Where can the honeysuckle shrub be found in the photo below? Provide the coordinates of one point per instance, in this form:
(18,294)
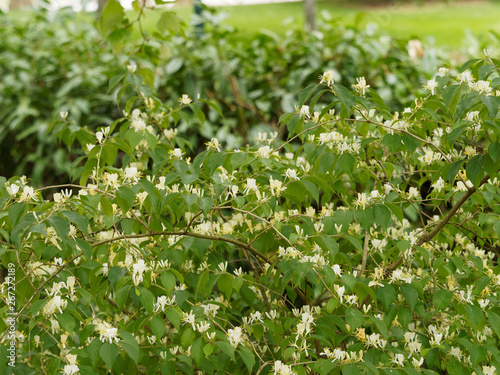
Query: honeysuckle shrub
(53,63)
(367,242)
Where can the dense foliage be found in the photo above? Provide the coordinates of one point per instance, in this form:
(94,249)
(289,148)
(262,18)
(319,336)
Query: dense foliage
(364,242)
(58,63)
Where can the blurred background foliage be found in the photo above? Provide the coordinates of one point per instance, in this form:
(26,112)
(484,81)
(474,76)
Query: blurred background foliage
(53,62)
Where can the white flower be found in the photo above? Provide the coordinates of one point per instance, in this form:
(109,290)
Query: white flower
(210,309)
(417,363)
(282,369)
(235,336)
(415,49)
(263,152)
(443,72)
(53,305)
(361,202)
(304,112)
(163,301)
(107,332)
(176,153)
(438,185)
(465,77)
(327,77)
(70,370)
(276,187)
(12,189)
(27,194)
(483,87)
(291,174)
(213,144)
(203,327)
(413,193)
(337,270)
(138,124)
(361,86)
(189,318)
(431,86)
(185,99)
(379,245)
(131,68)
(251,185)
(398,359)
(340,290)
(138,270)
(489,370)
(131,174)
(170,133)
(99,136)
(256,316)
(223,266)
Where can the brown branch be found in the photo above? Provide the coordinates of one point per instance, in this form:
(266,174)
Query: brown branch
(427,237)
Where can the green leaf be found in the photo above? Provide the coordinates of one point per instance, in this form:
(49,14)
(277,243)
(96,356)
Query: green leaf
(225,284)
(410,142)
(351,369)
(332,304)
(410,294)
(451,97)
(494,321)
(187,337)
(477,354)
(173,317)
(206,205)
(387,295)
(453,170)
(111,17)
(106,206)
(226,349)
(345,163)
(354,318)
(93,350)
(456,368)
(122,295)
(158,326)
(130,345)
(168,281)
(306,93)
(493,103)
(441,299)
(382,215)
(109,353)
(16,211)
(248,357)
(170,21)
(467,64)
(125,198)
(147,299)
(60,224)
(474,167)
(494,151)
(215,161)
(80,221)
(67,321)
(114,81)
(474,315)
(365,217)
(346,97)
(393,142)
(197,351)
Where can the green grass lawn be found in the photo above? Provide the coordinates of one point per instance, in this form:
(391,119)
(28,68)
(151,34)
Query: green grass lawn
(444,22)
